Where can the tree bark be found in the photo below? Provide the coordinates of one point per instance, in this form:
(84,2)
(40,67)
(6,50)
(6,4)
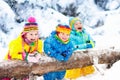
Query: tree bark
(20,69)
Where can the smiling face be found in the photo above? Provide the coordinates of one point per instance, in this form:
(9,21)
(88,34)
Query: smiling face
(32,36)
(63,36)
(78,26)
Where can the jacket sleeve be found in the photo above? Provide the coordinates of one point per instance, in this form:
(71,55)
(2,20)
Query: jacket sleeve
(48,49)
(68,52)
(14,50)
(80,46)
(40,46)
(51,51)
(11,50)
(88,42)
(74,38)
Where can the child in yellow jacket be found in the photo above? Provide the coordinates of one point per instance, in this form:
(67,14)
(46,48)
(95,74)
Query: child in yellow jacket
(26,44)
(80,40)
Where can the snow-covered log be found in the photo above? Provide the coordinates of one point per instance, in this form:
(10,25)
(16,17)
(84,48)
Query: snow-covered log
(19,69)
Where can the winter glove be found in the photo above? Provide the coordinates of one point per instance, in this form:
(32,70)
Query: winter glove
(89,45)
(63,54)
(88,41)
(34,57)
(76,46)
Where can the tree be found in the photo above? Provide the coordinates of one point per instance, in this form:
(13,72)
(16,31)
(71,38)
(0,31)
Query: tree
(20,69)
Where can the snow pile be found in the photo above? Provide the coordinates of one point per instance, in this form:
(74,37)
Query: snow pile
(114,72)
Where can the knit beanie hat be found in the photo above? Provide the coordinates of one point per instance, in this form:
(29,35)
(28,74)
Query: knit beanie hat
(30,25)
(63,28)
(72,21)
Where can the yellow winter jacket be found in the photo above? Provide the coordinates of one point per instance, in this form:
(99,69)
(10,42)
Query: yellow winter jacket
(16,49)
(78,72)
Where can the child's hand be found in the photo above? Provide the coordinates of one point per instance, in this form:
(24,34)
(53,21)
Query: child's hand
(88,41)
(34,57)
(77,46)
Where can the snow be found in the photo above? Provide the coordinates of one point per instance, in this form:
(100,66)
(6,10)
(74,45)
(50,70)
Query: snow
(114,72)
(112,5)
(105,36)
(64,3)
(46,23)
(3,52)
(110,30)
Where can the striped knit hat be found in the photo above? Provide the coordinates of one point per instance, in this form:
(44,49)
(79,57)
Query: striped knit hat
(63,28)
(72,21)
(31,25)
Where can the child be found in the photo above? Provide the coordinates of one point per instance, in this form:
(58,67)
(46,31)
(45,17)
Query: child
(59,47)
(80,40)
(26,44)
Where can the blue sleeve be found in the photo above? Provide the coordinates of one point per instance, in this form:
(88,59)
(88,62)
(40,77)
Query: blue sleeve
(51,51)
(68,52)
(80,46)
(59,57)
(48,49)
(88,42)
(76,42)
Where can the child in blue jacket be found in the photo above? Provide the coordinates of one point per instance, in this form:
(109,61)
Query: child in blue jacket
(80,38)
(59,47)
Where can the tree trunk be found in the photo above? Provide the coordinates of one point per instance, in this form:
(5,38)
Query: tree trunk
(20,69)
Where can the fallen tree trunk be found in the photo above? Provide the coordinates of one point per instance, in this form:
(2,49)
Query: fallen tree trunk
(20,69)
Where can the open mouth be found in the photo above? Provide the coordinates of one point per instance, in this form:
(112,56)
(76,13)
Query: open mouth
(79,28)
(32,39)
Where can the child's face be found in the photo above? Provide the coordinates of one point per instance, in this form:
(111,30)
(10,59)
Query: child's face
(63,36)
(32,36)
(78,26)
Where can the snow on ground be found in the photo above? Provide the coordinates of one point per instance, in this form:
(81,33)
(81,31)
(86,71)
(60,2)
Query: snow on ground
(3,52)
(114,72)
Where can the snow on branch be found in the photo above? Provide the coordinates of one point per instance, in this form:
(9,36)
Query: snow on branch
(20,69)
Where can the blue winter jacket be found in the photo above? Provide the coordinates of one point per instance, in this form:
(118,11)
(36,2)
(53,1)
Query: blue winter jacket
(54,48)
(81,40)
(58,50)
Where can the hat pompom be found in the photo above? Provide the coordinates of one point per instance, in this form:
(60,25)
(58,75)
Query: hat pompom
(31,20)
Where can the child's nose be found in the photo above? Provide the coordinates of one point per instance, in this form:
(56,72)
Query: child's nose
(33,37)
